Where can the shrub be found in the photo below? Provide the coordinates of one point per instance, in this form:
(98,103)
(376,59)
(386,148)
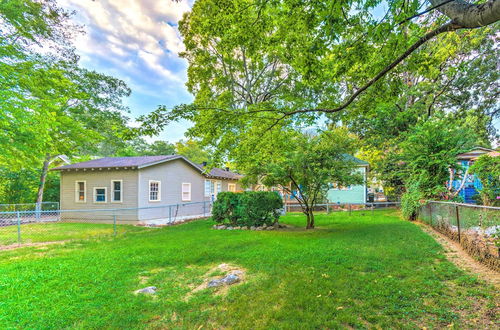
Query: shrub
(410,202)
(249,208)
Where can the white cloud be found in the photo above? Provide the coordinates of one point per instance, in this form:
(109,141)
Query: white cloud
(133,28)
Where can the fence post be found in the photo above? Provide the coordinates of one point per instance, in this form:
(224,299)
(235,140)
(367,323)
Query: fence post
(170,213)
(458,223)
(18,228)
(349,208)
(430,214)
(327,208)
(373,208)
(114,224)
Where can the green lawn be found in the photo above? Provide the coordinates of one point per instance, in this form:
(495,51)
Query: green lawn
(358,271)
(47,232)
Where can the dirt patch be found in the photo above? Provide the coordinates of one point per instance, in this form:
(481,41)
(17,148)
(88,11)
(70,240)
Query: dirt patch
(17,246)
(217,273)
(456,254)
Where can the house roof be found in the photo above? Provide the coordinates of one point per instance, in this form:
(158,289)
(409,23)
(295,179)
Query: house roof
(220,173)
(474,153)
(491,154)
(145,161)
(356,160)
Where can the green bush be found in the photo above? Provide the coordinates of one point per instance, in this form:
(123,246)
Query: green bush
(411,202)
(249,208)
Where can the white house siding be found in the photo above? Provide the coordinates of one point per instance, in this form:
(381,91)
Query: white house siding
(98,178)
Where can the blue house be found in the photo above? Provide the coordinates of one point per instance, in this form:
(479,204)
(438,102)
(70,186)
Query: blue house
(355,194)
(472,184)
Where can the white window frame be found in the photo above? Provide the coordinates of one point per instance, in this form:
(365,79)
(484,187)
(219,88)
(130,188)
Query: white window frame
(208,184)
(105,195)
(159,191)
(186,184)
(113,191)
(231,185)
(77,192)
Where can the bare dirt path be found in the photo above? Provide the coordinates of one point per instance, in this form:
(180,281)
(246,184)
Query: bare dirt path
(462,259)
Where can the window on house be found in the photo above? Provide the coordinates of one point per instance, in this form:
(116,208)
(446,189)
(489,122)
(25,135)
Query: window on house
(208,187)
(80,192)
(116,186)
(154,191)
(186,192)
(100,195)
(219,186)
(231,187)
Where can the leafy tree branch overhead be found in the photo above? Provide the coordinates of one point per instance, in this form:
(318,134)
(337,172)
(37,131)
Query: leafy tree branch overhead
(269,60)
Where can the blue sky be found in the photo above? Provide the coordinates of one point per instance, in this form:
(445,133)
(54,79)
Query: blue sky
(138,42)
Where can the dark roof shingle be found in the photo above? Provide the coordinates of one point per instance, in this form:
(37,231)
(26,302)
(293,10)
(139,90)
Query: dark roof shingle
(118,162)
(142,161)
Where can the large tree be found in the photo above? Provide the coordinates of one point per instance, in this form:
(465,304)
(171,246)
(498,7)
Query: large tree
(50,105)
(249,65)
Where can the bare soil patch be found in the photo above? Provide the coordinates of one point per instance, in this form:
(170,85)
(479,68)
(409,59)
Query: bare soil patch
(456,254)
(221,271)
(17,246)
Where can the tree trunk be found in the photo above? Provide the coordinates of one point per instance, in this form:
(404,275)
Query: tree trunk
(41,185)
(310,219)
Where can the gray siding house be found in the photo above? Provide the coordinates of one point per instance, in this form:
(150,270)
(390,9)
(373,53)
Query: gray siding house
(140,187)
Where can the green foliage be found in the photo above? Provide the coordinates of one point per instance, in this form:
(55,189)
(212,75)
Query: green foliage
(411,201)
(303,163)
(249,208)
(430,150)
(193,150)
(487,169)
(20,186)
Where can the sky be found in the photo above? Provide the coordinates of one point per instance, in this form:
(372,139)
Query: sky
(137,41)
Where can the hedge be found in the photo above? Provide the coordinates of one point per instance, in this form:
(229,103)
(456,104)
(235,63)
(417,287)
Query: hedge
(249,208)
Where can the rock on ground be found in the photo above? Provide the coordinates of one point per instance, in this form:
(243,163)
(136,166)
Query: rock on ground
(147,290)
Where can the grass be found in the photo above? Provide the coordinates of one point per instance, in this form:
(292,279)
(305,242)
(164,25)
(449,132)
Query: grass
(358,271)
(46,232)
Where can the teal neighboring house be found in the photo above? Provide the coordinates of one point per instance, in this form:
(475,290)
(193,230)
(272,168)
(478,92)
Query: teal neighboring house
(351,194)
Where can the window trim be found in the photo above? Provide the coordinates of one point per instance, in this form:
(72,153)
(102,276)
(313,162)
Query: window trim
(229,185)
(112,196)
(209,188)
(77,192)
(105,195)
(188,184)
(159,191)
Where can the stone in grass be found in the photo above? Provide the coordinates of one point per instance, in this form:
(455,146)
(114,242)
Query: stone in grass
(227,280)
(222,227)
(270,228)
(147,290)
(229,228)
(237,228)
(253,228)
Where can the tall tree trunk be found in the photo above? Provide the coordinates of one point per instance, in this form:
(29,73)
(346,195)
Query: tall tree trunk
(41,185)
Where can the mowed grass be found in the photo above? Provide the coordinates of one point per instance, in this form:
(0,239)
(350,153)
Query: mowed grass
(359,271)
(60,231)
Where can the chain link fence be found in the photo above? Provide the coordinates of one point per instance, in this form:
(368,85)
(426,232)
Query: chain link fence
(43,206)
(475,227)
(38,226)
(342,207)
